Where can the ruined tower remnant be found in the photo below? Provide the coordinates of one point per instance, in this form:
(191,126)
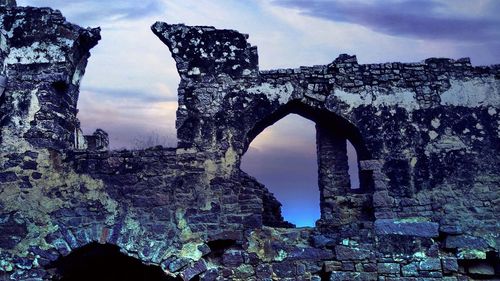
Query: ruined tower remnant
(426,135)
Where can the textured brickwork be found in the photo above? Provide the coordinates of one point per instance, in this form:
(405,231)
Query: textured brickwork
(427,136)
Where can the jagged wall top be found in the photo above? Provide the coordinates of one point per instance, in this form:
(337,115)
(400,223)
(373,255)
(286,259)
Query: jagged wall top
(44,58)
(204,51)
(428,134)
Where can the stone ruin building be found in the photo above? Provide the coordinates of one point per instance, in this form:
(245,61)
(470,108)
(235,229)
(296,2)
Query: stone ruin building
(427,136)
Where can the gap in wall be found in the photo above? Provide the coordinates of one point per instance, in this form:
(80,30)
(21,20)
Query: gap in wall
(104,262)
(352,159)
(283,157)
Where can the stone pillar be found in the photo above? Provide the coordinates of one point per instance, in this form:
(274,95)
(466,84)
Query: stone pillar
(382,201)
(333,176)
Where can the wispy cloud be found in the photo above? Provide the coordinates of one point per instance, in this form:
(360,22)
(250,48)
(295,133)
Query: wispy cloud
(141,96)
(126,120)
(96,12)
(424,19)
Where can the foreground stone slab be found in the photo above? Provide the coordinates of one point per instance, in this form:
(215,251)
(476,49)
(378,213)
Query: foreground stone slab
(407,227)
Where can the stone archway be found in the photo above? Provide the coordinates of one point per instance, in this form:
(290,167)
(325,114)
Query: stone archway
(283,158)
(339,203)
(96,261)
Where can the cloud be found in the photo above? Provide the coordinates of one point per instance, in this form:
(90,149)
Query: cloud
(423,19)
(127,120)
(132,94)
(92,12)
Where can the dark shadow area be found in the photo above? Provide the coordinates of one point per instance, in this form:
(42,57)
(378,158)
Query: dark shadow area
(218,247)
(104,262)
(60,87)
(487,269)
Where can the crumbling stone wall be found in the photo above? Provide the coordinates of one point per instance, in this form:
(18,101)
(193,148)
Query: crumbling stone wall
(426,134)
(429,129)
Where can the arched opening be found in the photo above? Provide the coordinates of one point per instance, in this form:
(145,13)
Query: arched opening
(344,189)
(104,262)
(283,158)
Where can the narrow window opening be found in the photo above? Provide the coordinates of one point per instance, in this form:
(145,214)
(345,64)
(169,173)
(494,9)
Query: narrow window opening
(104,262)
(352,159)
(283,157)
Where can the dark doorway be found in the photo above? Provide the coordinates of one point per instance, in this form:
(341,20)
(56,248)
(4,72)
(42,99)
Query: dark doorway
(104,262)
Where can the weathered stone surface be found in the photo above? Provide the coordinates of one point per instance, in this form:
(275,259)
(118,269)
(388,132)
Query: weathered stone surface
(13,230)
(407,227)
(465,241)
(193,270)
(354,276)
(451,229)
(430,264)
(409,270)
(351,253)
(232,258)
(388,268)
(450,265)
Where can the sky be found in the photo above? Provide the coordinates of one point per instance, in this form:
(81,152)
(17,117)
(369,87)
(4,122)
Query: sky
(130,84)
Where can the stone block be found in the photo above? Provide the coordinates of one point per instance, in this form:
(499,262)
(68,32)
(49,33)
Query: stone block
(351,253)
(330,266)
(175,265)
(370,267)
(284,269)
(451,229)
(430,264)
(61,246)
(209,275)
(449,265)
(195,269)
(348,266)
(321,241)
(465,241)
(8,177)
(353,276)
(263,271)
(382,199)
(308,253)
(471,254)
(232,258)
(409,270)
(204,249)
(406,227)
(370,165)
(244,272)
(388,268)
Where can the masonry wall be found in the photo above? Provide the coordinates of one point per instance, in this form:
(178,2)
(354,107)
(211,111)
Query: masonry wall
(426,134)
